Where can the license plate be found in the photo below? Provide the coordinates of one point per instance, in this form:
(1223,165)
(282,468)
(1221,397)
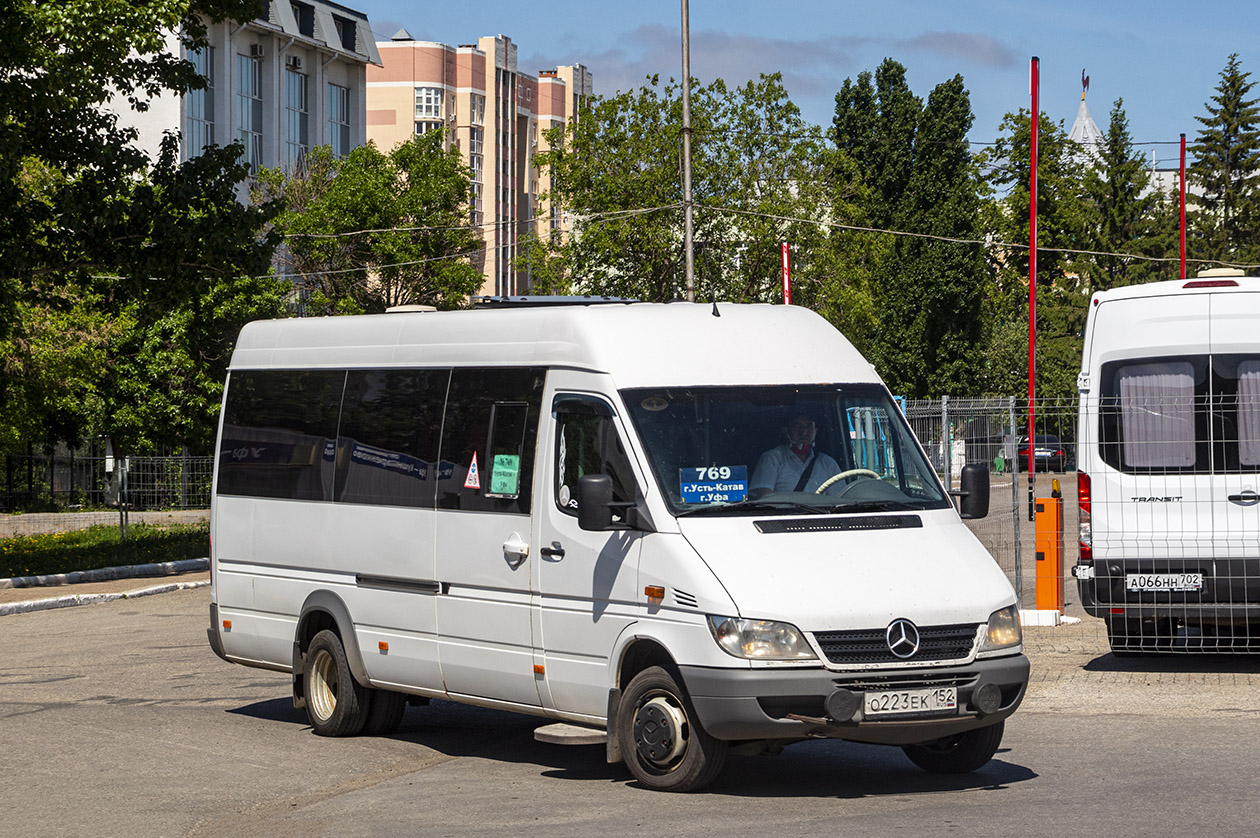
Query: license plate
(1164,581)
(901,702)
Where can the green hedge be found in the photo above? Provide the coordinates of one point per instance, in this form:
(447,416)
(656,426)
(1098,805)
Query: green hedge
(101,546)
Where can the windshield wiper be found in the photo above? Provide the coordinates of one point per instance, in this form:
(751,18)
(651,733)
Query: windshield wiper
(756,506)
(875,506)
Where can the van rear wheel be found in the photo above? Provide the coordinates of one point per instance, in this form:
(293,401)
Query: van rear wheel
(664,745)
(385,712)
(336,704)
(961,753)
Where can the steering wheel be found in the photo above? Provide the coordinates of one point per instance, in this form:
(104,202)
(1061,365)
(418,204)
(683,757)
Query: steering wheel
(853,472)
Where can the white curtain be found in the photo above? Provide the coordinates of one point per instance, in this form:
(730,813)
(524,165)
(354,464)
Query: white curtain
(1249,413)
(1157,414)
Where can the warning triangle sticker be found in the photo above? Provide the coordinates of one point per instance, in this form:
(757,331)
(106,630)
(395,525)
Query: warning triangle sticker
(473,480)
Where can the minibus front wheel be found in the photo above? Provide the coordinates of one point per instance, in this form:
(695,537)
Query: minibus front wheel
(662,741)
(336,704)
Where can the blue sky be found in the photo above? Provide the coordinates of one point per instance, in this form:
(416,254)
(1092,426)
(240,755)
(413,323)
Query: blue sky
(1164,58)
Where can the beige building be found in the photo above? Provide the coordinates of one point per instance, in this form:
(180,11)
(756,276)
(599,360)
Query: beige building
(494,115)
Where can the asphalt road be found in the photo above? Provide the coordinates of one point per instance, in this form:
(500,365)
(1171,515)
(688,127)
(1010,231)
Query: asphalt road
(117,719)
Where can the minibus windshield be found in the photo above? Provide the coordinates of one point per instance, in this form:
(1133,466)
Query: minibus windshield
(786,449)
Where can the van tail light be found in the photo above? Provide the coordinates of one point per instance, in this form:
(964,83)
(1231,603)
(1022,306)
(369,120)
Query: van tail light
(1086,533)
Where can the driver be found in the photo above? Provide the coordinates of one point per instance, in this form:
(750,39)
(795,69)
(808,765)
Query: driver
(796,465)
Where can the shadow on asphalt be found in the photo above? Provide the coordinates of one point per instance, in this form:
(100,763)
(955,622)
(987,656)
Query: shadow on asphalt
(824,768)
(1173,662)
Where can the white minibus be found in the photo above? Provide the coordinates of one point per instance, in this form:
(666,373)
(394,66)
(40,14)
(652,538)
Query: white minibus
(682,530)
(1169,465)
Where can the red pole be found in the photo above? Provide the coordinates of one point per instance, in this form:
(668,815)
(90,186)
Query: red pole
(1032,284)
(1183,206)
(787,277)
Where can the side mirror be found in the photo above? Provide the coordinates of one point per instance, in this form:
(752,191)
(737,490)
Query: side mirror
(974,491)
(595,502)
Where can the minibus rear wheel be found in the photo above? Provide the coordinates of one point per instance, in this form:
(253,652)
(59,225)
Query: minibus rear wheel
(336,704)
(662,741)
(385,712)
(961,753)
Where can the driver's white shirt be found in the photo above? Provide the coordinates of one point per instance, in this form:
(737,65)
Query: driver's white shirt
(779,470)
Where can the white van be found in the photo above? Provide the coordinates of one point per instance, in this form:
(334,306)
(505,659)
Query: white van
(550,509)
(1169,465)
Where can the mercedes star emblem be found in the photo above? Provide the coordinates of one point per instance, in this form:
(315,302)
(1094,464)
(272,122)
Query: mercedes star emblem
(903,638)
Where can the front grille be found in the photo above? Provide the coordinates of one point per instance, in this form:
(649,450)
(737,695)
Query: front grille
(936,643)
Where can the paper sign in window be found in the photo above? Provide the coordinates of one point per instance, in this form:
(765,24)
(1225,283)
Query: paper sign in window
(505,476)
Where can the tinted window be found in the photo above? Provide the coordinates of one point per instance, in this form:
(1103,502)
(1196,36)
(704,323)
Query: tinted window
(391,424)
(489,437)
(587,443)
(1236,414)
(279,433)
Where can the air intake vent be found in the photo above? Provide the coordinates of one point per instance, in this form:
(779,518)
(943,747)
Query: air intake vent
(685,599)
(859,522)
(937,643)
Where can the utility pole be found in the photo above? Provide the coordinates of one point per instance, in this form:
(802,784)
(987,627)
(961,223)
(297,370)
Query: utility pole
(688,242)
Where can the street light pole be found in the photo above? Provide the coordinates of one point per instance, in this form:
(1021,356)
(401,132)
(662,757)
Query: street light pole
(688,242)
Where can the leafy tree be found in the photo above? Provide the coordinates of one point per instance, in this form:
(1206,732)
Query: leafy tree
(1227,159)
(376,230)
(96,240)
(757,181)
(918,175)
(1127,217)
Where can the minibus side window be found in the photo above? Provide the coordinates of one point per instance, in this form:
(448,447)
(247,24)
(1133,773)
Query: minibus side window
(279,434)
(391,423)
(496,407)
(589,444)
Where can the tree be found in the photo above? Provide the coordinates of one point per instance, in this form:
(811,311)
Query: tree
(1227,159)
(377,230)
(96,240)
(918,175)
(1062,278)
(757,181)
(1126,214)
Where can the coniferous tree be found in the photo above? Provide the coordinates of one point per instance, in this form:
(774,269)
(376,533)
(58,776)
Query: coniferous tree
(1227,161)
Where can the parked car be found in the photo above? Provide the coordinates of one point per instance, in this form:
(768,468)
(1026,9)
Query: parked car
(1048,454)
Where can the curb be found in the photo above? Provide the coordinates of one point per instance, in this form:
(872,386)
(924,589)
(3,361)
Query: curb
(107,574)
(92,599)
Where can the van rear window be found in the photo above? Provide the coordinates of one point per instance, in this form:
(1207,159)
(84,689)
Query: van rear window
(1190,414)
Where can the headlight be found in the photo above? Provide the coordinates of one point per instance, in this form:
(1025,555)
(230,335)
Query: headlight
(1003,630)
(759,639)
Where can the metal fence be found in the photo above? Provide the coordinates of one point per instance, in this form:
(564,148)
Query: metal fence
(72,481)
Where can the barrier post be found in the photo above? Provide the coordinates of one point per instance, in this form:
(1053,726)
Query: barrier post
(1048,537)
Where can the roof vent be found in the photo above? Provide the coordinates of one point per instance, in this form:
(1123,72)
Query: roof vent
(405,309)
(402,35)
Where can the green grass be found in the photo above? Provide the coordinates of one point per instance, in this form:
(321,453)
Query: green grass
(101,546)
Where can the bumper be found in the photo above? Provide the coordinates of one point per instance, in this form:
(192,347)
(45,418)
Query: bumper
(735,704)
(1229,595)
(212,633)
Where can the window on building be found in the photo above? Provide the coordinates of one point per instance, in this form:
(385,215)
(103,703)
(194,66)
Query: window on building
(296,114)
(249,109)
(476,140)
(478,115)
(429,102)
(345,32)
(424,126)
(200,104)
(304,13)
(339,119)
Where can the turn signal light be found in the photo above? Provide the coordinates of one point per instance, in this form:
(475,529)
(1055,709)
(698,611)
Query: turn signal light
(383,646)
(654,592)
(227,625)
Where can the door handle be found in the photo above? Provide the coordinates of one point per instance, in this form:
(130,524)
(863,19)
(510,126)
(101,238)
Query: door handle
(515,551)
(553,552)
(1245,498)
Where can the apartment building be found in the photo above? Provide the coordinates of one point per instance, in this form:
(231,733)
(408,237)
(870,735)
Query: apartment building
(281,84)
(495,115)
